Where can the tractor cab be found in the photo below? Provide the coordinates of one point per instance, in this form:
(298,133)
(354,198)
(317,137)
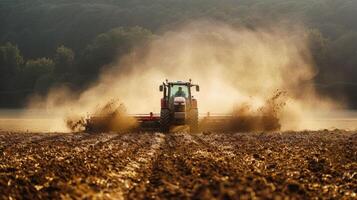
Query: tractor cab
(179,92)
(178,105)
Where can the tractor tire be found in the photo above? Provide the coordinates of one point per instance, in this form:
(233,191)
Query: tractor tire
(165,120)
(193,121)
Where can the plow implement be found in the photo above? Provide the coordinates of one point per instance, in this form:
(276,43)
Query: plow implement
(206,122)
(147,122)
(178,108)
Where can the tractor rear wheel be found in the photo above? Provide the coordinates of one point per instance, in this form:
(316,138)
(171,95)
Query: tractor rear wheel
(193,121)
(165,120)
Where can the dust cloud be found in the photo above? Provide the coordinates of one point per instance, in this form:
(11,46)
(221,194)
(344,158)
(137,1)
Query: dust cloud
(112,116)
(233,66)
(266,118)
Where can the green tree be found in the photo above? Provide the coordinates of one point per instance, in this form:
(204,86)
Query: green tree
(35,69)
(11,62)
(10,59)
(109,46)
(64,60)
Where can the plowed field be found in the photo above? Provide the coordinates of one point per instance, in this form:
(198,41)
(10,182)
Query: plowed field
(178,165)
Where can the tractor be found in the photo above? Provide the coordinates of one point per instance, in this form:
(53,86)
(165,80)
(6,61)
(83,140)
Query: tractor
(178,106)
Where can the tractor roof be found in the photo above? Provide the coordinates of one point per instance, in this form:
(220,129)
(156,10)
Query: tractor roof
(179,83)
(188,83)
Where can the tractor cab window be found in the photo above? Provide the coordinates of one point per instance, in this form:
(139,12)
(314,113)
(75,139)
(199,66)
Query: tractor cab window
(179,91)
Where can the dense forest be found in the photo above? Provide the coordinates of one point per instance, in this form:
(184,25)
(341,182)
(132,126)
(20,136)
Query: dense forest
(44,43)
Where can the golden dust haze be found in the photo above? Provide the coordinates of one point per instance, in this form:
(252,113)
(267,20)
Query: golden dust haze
(232,65)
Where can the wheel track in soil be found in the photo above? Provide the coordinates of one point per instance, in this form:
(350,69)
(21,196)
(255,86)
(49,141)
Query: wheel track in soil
(190,166)
(186,168)
(128,154)
(136,170)
(167,173)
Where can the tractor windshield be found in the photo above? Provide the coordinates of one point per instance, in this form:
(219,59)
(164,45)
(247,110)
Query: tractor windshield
(179,91)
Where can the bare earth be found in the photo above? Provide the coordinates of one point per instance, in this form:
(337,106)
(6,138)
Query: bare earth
(178,165)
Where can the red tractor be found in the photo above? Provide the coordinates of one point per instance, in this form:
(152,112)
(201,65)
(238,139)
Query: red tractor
(178,106)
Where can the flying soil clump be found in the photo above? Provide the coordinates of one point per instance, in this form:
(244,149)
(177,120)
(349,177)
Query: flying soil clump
(245,118)
(265,118)
(110,117)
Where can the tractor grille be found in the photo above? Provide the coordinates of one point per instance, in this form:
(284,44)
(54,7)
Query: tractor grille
(179,108)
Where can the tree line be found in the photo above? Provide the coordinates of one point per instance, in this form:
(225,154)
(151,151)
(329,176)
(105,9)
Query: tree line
(21,77)
(51,42)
